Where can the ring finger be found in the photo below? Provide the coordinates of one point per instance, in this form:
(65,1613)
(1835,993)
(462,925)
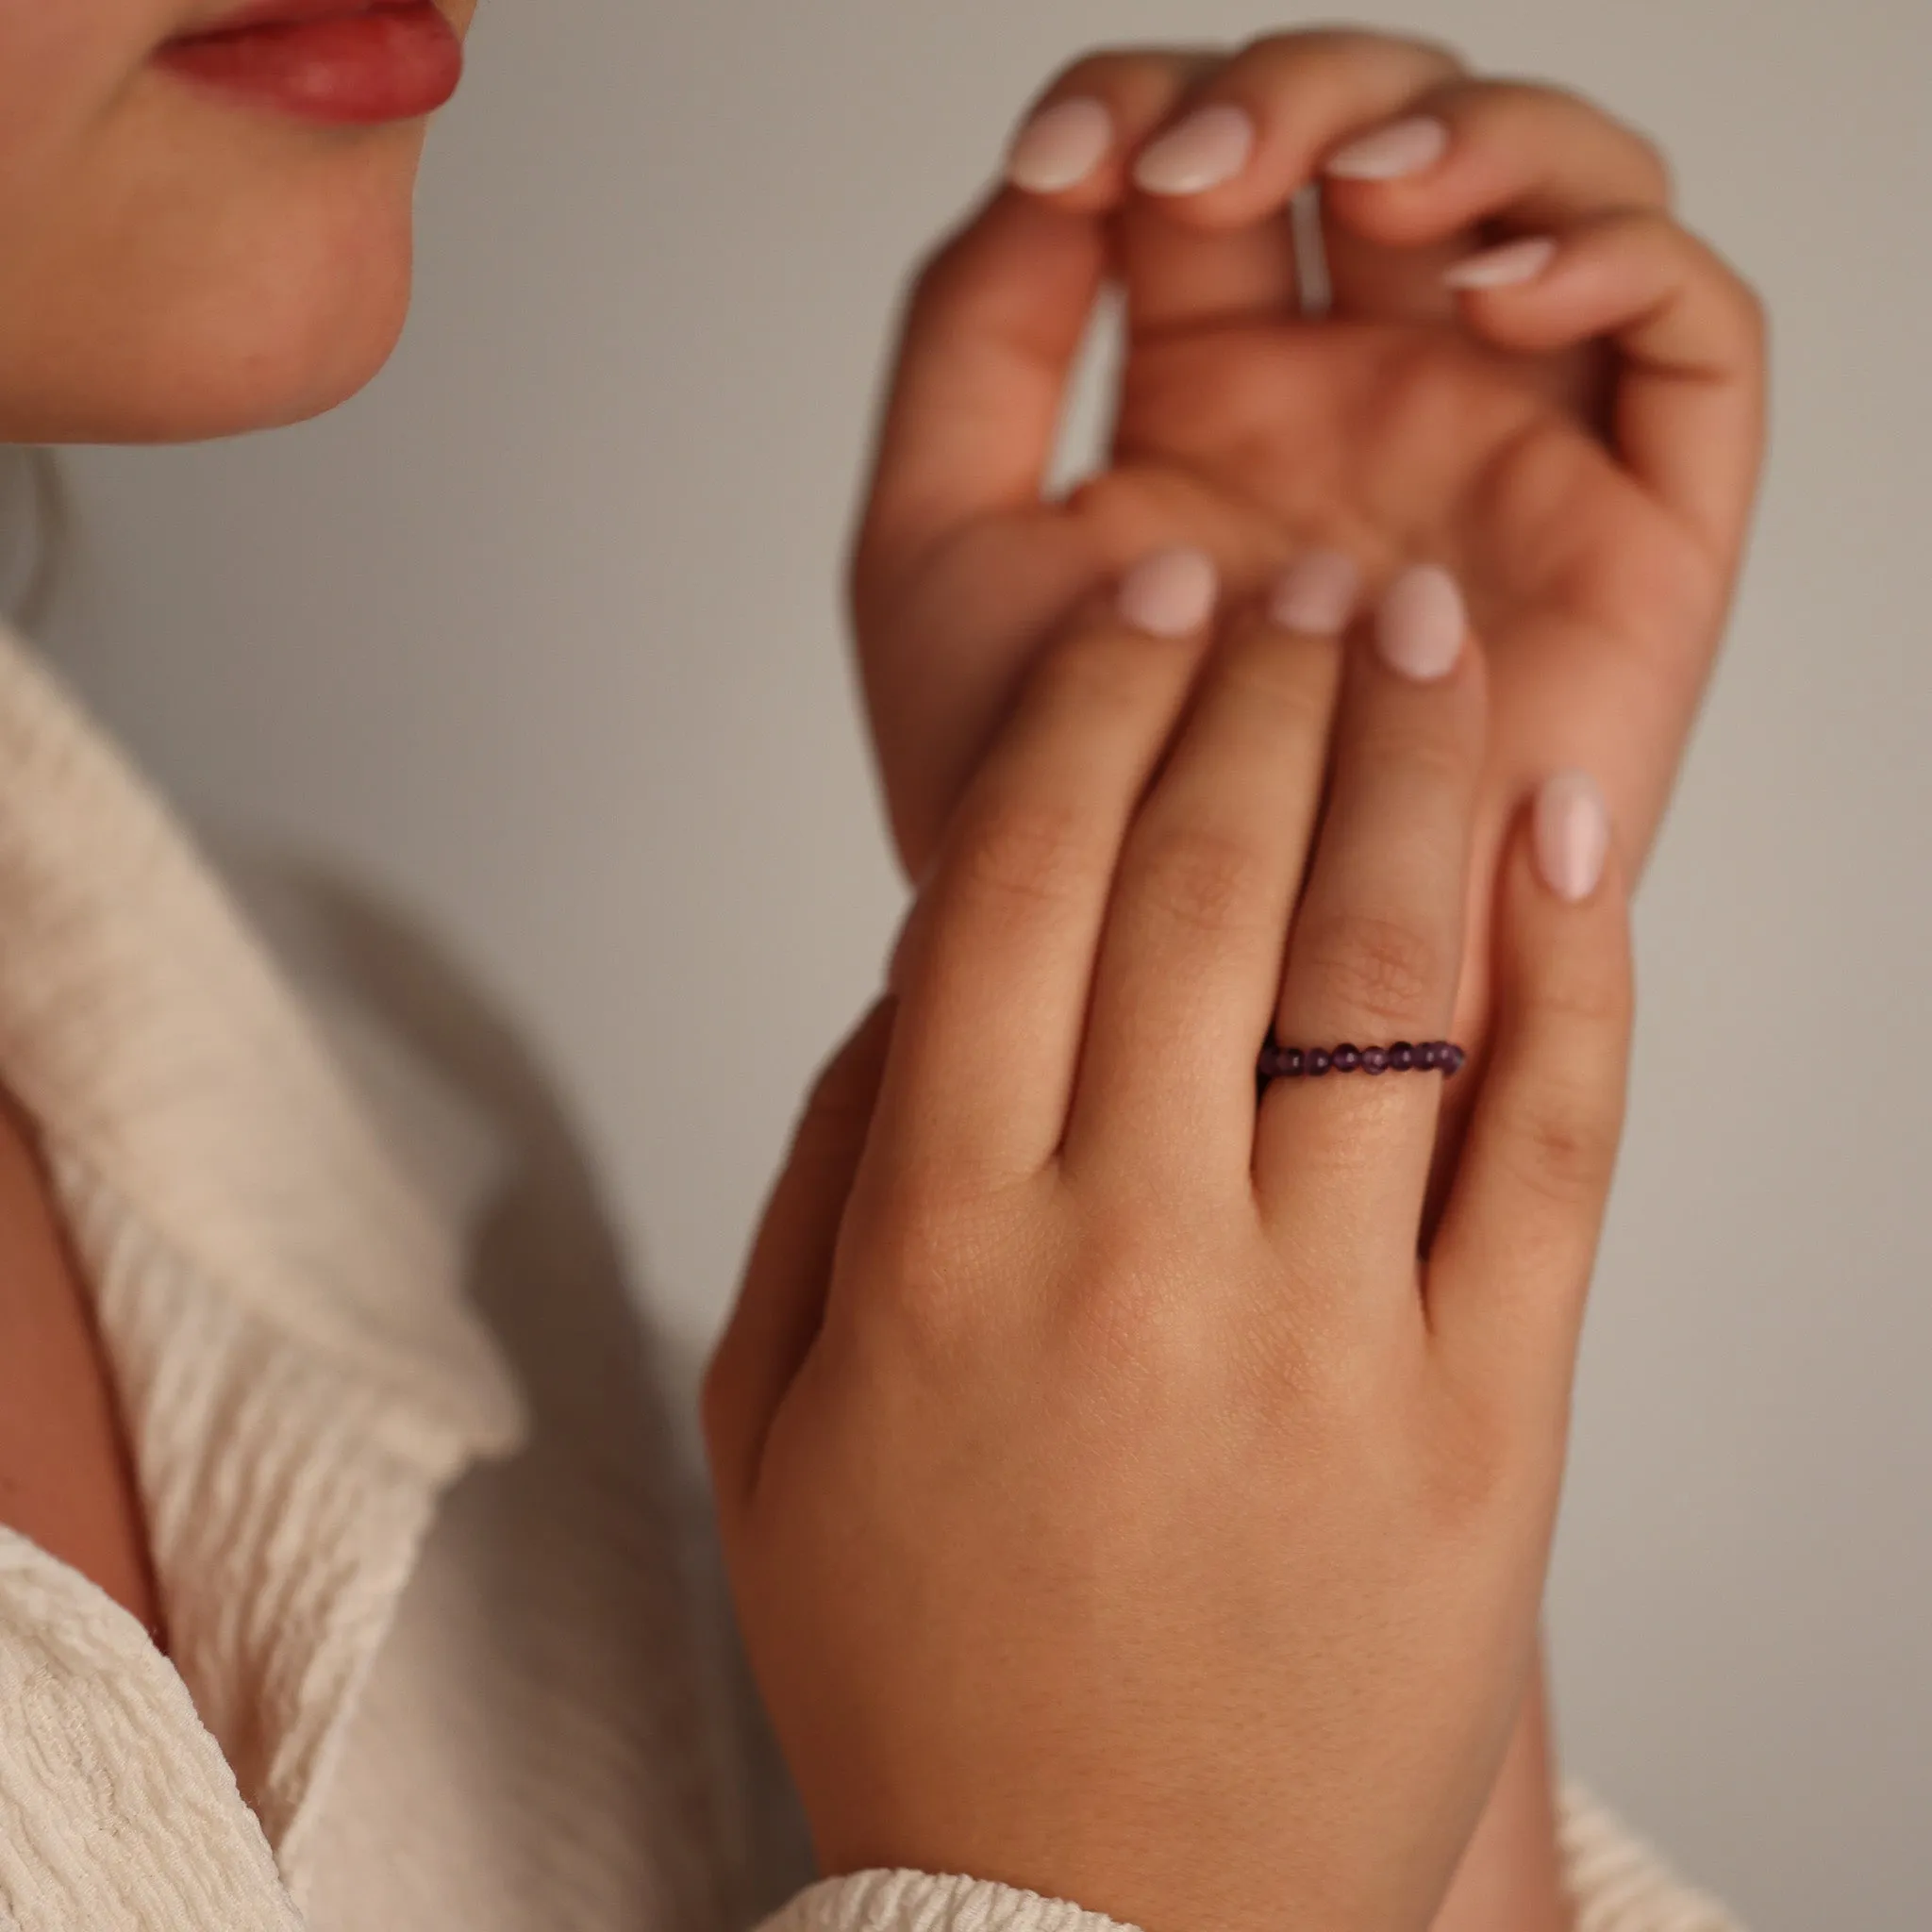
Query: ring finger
(1378,942)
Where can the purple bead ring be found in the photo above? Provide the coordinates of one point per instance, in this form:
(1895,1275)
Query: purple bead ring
(1309,1063)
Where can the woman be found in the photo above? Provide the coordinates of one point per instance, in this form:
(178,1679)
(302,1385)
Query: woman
(358,1690)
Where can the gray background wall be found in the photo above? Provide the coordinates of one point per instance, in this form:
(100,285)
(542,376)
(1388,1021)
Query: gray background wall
(542,634)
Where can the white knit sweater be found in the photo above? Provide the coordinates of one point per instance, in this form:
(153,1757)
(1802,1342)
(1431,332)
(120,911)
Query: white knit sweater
(446,1649)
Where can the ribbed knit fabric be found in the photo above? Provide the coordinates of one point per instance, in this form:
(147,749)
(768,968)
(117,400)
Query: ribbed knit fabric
(1619,1885)
(447,1654)
(919,1901)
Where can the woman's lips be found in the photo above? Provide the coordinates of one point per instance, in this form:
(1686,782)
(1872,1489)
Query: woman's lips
(330,61)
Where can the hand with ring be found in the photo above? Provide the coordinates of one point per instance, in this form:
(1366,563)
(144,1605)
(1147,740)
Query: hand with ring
(1116,1504)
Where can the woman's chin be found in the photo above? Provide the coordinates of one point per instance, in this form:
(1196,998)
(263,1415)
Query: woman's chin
(260,279)
(192,382)
(230,380)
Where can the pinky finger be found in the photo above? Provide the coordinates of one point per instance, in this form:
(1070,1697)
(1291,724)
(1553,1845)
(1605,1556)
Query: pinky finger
(1511,1260)
(1688,417)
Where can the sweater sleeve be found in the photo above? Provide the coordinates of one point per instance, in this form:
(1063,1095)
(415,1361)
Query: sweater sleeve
(1616,1883)
(118,1812)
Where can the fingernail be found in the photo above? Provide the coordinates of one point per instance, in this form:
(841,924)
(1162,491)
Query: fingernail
(1572,835)
(1060,146)
(1316,594)
(1420,627)
(1402,148)
(1171,593)
(1503,267)
(1207,149)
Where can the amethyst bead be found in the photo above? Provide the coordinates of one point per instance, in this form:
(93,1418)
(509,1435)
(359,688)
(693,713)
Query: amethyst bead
(1276,1062)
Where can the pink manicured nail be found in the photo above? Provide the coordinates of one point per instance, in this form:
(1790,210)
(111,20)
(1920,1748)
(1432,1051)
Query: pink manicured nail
(1171,593)
(1060,146)
(1572,835)
(1317,595)
(1422,623)
(1503,267)
(1402,148)
(1207,149)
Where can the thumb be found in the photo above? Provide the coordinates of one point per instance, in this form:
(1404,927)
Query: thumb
(783,1297)
(989,340)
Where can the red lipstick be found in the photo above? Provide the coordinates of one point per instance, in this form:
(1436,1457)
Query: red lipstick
(346,62)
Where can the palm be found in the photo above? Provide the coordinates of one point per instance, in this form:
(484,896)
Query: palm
(1399,442)
(1393,443)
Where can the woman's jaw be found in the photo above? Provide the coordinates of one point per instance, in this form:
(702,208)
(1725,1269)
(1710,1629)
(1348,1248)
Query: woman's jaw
(206,212)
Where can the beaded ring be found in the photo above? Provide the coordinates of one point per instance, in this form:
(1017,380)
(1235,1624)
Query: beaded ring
(1309,1063)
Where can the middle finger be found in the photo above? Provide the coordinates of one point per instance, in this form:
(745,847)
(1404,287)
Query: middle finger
(1191,957)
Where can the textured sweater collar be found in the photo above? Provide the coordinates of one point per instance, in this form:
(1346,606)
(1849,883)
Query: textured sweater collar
(199,1131)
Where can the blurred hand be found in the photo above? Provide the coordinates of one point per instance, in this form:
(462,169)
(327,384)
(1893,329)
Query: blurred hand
(1580,448)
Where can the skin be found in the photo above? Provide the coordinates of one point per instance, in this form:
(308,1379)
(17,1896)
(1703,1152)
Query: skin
(175,267)
(172,265)
(1583,451)
(1111,1465)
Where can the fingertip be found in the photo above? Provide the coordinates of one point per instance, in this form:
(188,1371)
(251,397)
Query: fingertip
(1317,595)
(1563,905)
(1211,148)
(1399,152)
(1509,266)
(1170,594)
(1422,623)
(1570,835)
(1062,146)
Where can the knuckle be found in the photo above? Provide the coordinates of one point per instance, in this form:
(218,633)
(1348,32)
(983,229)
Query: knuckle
(1592,996)
(1099,676)
(1383,969)
(1340,45)
(1476,1458)
(912,1267)
(1561,1144)
(1207,880)
(932,1264)
(1026,851)
(1429,755)
(1286,689)
(1652,163)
